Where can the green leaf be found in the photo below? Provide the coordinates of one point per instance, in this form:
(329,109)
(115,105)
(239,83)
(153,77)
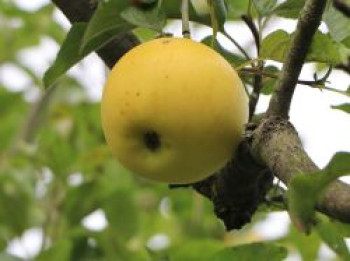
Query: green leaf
(265,7)
(61,250)
(276,45)
(290,9)
(269,83)
(343,107)
(305,190)
(68,55)
(121,213)
(323,49)
(338,24)
(152,19)
(80,201)
(104,25)
(196,250)
(16,200)
(235,9)
(307,245)
(144,34)
(250,252)
(220,12)
(333,238)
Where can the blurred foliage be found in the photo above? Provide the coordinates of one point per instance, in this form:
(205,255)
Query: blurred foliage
(63,174)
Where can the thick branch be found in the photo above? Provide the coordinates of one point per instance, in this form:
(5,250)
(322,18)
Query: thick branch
(276,144)
(81,11)
(308,23)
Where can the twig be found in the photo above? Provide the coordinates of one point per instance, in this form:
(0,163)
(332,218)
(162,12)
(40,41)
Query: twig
(309,20)
(342,7)
(275,76)
(258,84)
(249,22)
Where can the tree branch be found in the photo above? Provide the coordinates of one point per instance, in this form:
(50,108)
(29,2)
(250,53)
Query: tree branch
(276,143)
(81,11)
(309,20)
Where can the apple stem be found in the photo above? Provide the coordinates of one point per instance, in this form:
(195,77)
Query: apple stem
(185,19)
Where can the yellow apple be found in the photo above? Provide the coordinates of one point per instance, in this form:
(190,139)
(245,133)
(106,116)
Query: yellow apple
(173,110)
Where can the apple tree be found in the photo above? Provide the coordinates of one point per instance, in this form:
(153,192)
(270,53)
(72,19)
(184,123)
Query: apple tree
(56,171)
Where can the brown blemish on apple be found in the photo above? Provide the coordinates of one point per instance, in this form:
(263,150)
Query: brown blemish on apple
(166,41)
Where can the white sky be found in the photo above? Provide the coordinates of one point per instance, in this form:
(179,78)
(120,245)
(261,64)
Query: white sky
(323,130)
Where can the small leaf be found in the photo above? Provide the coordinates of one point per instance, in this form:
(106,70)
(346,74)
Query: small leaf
(269,83)
(306,190)
(152,19)
(332,237)
(220,11)
(235,9)
(338,25)
(104,25)
(121,213)
(343,107)
(276,45)
(265,7)
(290,8)
(68,55)
(323,49)
(250,252)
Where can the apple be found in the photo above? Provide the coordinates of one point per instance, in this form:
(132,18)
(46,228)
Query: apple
(173,110)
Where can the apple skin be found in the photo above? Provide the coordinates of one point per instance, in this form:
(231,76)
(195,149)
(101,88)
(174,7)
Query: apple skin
(173,110)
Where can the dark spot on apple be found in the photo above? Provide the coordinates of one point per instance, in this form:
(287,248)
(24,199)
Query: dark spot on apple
(166,41)
(152,140)
(137,94)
